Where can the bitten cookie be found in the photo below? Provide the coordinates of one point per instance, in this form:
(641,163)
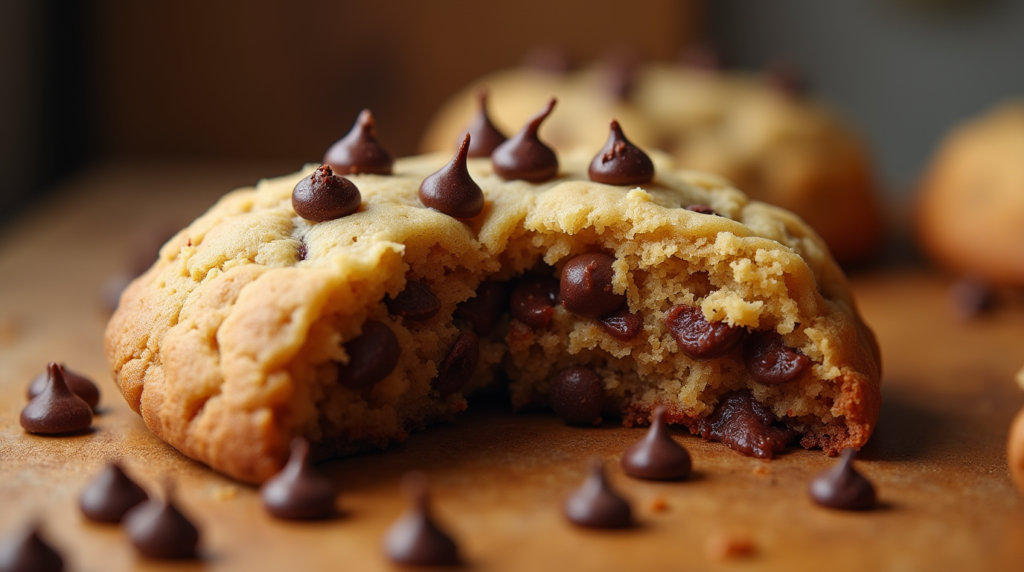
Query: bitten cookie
(971,203)
(777,145)
(604,285)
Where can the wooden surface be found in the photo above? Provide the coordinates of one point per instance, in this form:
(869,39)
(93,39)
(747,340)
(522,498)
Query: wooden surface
(937,458)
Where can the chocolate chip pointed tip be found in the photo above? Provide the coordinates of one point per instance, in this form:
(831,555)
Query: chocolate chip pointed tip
(359,151)
(111,494)
(596,504)
(524,156)
(415,538)
(158,529)
(620,162)
(843,487)
(485,136)
(324,196)
(25,550)
(657,456)
(79,384)
(299,491)
(452,190)
(56,410)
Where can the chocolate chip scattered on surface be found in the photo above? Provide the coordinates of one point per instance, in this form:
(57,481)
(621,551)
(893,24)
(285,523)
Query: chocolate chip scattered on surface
(577,396)
(371,356)
(324,196)
(452,190)
(843,487)
(158,529)
(970,298)
(524,156)
(110,495)
(299,491)
(596,504)
(79,384)
(657,456)
(26,551)
(415,538)
(56,410)
(586,286)
(358,151)
(620,162)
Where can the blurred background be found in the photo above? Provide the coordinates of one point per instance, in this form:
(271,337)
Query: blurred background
(94,81)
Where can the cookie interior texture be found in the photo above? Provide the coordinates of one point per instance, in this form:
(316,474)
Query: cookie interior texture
(230,344)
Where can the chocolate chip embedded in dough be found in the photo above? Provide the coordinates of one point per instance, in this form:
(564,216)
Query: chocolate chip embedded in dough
(533,300)
(657,456)
(596,504)
(110,495)
(452,190)
(745,426)
(26,551)
(485,136)
(416,538)
(416,302)
(586,286)
(458,366)
(843,487)
(577,396)
(622,325)
(524,156)
(358,151)
(620,162)
(299,492)
(158,529)
(79,385)
(769,361)
(372,356)
(702,209)
(56,410)
(483,311)
(324,196)
(699,338)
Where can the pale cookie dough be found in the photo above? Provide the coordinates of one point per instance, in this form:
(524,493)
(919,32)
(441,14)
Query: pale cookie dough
(230,344)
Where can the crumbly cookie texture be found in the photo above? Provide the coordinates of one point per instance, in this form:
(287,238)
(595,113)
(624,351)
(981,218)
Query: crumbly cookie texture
(971,205)
(782,148)
(230,344)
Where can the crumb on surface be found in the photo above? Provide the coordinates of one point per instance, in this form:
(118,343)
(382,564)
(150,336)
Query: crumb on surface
(658,504)
(728,545)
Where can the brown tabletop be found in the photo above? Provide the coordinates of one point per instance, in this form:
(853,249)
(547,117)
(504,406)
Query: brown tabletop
(937,458)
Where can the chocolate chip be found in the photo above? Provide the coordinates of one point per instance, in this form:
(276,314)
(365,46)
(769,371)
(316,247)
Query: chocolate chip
(586,286)
(617,73)
(359,151)
(26,551)
(415,538)
(657,456)
(158,529)
(533,300)
(302,251)
(299,492)
(596,504)
(745,426)
(525,156)
(485,136)
(769,360)
(111,495)
(484,309)
(699,338)
(702,209)
(416,302)
(622,325)
(452,190)
(842,487)
(325,196)
(372,356)
(56,409)
(971,297)
(577,396)
(620,162)
(458,366)
(79,385)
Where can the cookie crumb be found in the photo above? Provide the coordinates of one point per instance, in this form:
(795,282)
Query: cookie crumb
(727,546)
(224,492)
(658,504)
(761,470)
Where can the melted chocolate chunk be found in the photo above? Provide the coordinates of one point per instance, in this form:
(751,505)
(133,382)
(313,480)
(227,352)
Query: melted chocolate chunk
(533,300)
(842,487)
(699,338)
(484,310)
(56,410)
(657,456)
(971,297)
(325,196)
(78,384)
(577,396)
(26,551)
(702,209)
(452,190)
(111,495)
(359,151)
(769,361)
(525,156)
(596,504)
(158,529)
(299,492)
(372,356)
(620,162)
(458,367)
(485,136)
(416,302)
(586,286)
(745,426)
(415,538)
(622,325)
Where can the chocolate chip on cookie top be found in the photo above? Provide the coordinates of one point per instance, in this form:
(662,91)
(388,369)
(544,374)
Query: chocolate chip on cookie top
(299,492)
(842,487)
(657,456)
(452,190)
(359,151)
(699,338)
(26,551)
(111,495)
(371,356)
(620,162)
(769,361)
(325,196)
(79,384)
(56,410)
(525,156)
(486,137)
(577,396)
(586,287)
(596,504)
(158,529)
(415,538)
